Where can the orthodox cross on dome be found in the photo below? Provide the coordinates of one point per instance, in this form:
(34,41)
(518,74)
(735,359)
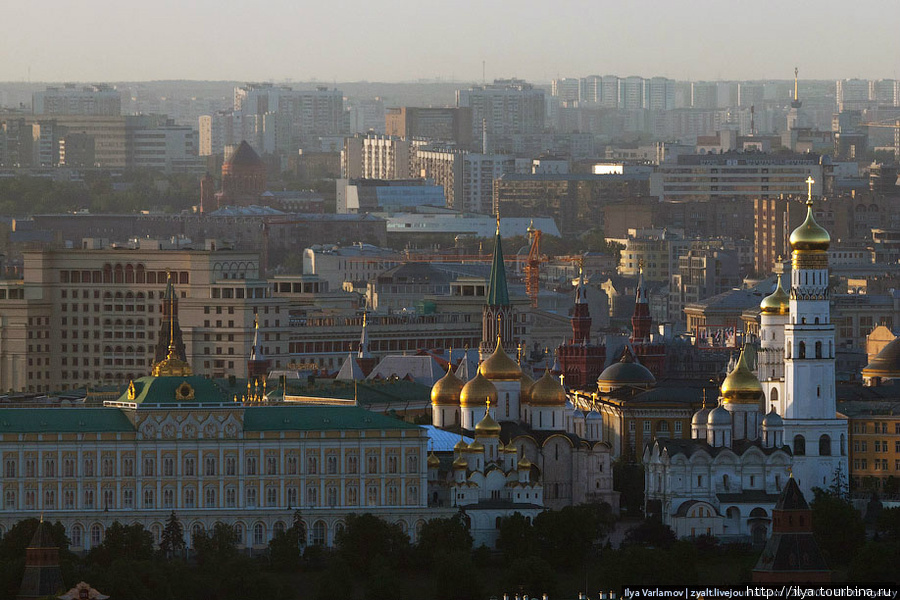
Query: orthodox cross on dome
(809,183)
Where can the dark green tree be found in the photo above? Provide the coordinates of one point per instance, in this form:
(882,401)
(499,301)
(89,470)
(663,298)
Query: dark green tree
(567,536)
(216,546)
(440,537)
(876,561)
(172,540)
(517,539)
(837,526)
(651,532)
(122,543)
(530,575)
(366,536)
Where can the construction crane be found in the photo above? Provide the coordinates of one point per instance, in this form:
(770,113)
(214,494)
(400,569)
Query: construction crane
(533,265)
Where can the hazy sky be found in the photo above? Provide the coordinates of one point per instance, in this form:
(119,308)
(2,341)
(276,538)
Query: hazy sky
(403,40)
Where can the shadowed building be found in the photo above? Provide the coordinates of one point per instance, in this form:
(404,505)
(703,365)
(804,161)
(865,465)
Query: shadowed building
(42,576)
(791,555)
(243,178)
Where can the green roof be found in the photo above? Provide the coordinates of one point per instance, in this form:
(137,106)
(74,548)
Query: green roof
(63,420)
(382,391)
(164,390)
(498,293)
(311,418)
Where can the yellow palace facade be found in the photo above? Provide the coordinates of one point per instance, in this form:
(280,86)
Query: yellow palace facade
(176,442)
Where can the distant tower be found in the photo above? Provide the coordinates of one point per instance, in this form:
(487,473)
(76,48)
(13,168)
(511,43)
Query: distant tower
(257,364)
(169,329)
(816,436)
(43,577)
(497,314)
(651,355)
(243,178)
(580,361)
(795,119)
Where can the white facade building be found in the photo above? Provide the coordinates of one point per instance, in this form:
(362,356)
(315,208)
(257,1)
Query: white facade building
(725,481)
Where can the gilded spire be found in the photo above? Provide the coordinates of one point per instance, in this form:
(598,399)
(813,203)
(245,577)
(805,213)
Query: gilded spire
(796,85)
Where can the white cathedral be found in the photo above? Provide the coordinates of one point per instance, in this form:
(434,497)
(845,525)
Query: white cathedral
(782,423)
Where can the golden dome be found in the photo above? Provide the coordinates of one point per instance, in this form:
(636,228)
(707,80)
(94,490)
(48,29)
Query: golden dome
(476,391)
(524,463)
(525,384)
(476,446)
(776,303)
(741,386)
(499,366)
(433,461)
(810,236)
(548,391)
(446,390)
(461,446)
(460,463)
(488,426)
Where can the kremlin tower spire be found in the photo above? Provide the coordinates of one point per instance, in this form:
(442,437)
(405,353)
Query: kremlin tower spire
(497,315)
(581,317)
(578,360)
(641,321)
(651,354)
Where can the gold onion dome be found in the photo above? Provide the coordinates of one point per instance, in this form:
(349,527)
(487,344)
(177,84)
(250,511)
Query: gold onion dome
(446,390)
(476,391)
(476,446)
(461,446)
(810,236)
(487,425)
(433,461)
(548,391)
(460,463)
(741,386)
(499,366)
(776,303)
(525,384)
(524,463)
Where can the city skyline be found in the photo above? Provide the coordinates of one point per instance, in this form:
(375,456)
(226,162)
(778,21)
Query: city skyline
(323,42)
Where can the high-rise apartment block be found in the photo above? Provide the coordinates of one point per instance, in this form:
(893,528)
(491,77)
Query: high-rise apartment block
(94,100)
(507,107)
(375,157)
(433,124)
(852,94)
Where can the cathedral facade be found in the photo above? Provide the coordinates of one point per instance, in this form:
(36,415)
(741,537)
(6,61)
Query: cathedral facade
(781,424)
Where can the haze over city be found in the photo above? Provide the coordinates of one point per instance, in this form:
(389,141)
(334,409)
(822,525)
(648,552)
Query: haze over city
(401,40)
(457,301)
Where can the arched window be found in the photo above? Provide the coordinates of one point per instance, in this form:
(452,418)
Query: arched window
(259,534)
(818,349)
(96,535)
(773,395)
(789,349)
(318,533)
(843,445)
(799,445)
(801,350)
(76,536)
(824,445)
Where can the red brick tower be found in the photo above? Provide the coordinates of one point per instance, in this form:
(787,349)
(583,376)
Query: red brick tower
(792,554)
(243,178)
(651,355)
(579,360)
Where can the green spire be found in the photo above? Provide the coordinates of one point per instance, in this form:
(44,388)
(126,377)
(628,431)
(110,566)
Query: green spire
(498,294)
